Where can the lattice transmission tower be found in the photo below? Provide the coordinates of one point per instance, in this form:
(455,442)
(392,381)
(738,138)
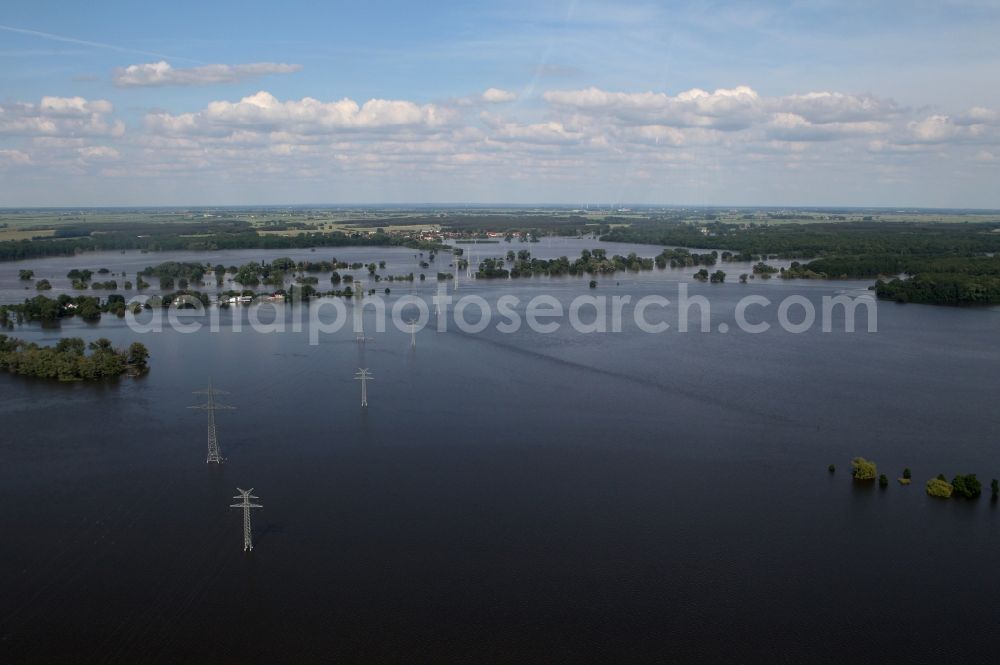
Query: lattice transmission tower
(360,337)
(212,406)
(413,333)
(364,376)
(246,505)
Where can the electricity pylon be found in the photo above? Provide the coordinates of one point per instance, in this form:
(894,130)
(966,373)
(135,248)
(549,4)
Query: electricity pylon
(361,338)
(245,496)
(212,406)
(413,333)
(364,377)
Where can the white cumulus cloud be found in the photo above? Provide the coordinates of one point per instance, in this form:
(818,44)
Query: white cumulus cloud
(264,112)
(498,96)
(830,107)
(933,129)
(724,109)
(14,158)
(162,73)
(98,152)
(793,127)
(73,106)
(810,116)
(60,117)
(541,133)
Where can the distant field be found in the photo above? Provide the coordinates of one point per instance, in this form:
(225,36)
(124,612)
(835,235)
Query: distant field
(24,233)
(290,222)
(884,217)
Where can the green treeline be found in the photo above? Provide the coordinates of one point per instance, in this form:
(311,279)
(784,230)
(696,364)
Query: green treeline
(943,263)
(175,270)
(69,241)
(873,265)
(68,359)
(682,258)
(819,239)
(510,224)
(942,289)
(44,309)
(274,274)
(951,280)
(591,262)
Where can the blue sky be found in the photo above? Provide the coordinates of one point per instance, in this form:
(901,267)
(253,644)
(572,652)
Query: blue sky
(765,103)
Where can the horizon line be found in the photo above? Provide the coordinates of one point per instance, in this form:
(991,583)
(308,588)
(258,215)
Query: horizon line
(459,204)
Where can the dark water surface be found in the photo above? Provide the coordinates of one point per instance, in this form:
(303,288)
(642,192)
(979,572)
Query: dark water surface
(510,498)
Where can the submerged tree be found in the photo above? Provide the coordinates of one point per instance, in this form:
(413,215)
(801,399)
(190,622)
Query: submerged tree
(137,355)
(862,469)
(967,486)
(66,361)
(939,487)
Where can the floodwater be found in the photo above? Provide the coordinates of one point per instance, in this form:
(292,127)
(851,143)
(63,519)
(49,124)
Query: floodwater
(563,497)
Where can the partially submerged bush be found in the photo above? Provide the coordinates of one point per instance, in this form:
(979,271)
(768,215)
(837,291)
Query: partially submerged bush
(863,469)
(939,488)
